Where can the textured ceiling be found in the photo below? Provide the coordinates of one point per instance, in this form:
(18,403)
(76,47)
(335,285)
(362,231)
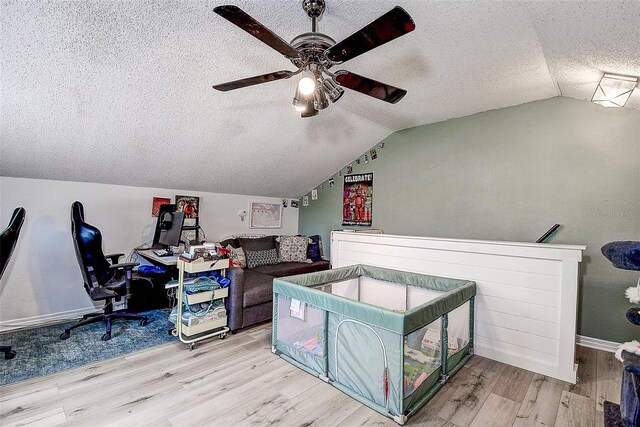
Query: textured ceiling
(120,91)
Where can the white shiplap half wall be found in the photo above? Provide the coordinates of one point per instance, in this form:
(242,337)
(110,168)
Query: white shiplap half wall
(526,299)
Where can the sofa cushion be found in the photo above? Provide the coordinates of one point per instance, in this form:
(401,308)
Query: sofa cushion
(293,248)
(292,268)
(264,257)
(258,288)
(259,244)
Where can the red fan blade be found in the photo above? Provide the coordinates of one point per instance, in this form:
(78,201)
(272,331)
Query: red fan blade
(370,87)
(389,26)
(256,80)
(237,16)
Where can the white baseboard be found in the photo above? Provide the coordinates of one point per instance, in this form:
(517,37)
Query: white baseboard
(597,343)
(45,319)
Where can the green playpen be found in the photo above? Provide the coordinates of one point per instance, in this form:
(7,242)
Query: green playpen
(388,338)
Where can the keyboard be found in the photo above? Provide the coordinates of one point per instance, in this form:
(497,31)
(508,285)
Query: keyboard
(162,252)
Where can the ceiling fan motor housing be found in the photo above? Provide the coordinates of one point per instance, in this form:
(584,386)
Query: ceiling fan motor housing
(314,8)
(312,47)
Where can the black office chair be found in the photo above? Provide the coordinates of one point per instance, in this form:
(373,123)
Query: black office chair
(104,279)
(8,241)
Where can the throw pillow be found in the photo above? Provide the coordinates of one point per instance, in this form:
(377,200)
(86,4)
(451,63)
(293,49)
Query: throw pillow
(237,257)
(261,244)
(314,253)
(293,248)
(257,258)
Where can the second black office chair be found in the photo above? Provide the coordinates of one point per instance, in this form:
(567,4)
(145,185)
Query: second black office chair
(104,279)
(8,240)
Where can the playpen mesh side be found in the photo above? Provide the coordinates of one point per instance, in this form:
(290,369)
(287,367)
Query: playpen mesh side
(422,359)
(300,332)
(458,335)
(366,360)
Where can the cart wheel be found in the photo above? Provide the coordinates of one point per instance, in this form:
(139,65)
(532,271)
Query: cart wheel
(65,335)
(192,346)
(144,321)
(106,337)
(223,336)
(174,332)
(234,331)
(10,354)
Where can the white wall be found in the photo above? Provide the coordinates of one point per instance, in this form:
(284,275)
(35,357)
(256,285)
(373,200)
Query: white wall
(43,280)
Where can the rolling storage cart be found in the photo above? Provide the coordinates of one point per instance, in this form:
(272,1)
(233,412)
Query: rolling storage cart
(194,333)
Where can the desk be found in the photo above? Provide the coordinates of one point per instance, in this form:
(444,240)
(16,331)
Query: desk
(166,261)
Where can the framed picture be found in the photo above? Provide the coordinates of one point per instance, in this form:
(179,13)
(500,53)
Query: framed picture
(265,215)
(190,205)
(157,201)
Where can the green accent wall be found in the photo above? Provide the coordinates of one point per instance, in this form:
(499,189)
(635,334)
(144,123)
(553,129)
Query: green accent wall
(510,174)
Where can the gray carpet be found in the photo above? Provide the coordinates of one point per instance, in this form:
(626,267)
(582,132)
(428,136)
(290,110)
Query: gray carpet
(42,352)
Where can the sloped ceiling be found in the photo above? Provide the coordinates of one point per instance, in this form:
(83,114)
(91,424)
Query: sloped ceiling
(120,92)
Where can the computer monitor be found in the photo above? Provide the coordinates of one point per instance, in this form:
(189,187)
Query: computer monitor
(172,223)
(167,207)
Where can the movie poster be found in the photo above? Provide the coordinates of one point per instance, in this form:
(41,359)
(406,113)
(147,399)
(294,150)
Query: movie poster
(357,199)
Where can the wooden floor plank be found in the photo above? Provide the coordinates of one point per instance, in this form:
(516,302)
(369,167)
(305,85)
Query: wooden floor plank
(513,383)
(609,371)
(29,404)
(575,411)
(45,418)
(471,394)
(321,400)
(364,416)
(599,419)
(587,372)
(540,404)
(497,411)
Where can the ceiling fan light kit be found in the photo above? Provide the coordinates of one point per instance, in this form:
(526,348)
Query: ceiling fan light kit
(315,53)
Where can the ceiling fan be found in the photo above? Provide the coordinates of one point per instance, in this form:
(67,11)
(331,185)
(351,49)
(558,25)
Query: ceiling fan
(315,53)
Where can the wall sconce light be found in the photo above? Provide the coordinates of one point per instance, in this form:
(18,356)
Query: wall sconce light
(614,90)
(242,214)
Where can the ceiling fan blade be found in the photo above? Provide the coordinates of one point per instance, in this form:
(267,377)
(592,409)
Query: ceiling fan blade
(389,26)
(240,18)
(255,80)
(370,87)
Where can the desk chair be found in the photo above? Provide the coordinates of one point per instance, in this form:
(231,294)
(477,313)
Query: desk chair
(8,241)
(104,279)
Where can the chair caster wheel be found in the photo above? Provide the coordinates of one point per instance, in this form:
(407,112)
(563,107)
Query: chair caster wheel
(10,354)
(192,346)
(223,336)
(106,337)
(144,321)
(65,335)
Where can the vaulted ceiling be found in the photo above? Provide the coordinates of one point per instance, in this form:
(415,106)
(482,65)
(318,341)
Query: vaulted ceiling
(120,91)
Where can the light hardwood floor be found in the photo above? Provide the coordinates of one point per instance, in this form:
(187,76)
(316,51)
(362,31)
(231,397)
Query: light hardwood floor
(239,381)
